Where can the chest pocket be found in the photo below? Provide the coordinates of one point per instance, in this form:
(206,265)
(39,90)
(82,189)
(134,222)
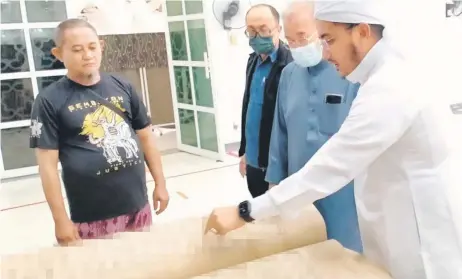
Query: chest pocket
(332,113)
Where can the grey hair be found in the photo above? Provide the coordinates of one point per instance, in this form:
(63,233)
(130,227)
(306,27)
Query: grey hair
(292,6)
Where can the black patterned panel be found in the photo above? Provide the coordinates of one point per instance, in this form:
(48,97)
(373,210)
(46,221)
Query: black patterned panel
(133,51)
(42,43)
(17,99)
(178,40)
(13,51)
(44,82)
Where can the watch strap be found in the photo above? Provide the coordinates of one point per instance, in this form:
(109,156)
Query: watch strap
(244,211)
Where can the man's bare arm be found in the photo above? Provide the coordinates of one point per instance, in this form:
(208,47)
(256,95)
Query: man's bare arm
(48,169)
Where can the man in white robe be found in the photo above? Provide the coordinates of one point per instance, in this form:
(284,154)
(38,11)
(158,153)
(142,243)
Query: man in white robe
(401,143)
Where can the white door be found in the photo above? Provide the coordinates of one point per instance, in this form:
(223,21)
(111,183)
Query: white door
(194,102)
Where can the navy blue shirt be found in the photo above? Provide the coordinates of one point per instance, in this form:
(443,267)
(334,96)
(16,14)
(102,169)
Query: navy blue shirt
(254,111)
(102,162)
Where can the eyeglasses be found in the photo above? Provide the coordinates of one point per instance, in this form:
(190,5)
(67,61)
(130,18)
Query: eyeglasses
(265,32)
(303,41)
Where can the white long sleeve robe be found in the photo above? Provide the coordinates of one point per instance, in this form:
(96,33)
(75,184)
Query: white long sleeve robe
(402,147)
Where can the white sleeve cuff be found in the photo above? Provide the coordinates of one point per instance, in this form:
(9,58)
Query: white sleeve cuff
(263,207)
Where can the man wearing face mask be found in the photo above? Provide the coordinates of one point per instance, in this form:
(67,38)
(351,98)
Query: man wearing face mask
(400,142)
(264,69)
(313,101)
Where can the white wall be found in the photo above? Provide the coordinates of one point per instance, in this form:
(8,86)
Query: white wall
(120,17)
(433,41)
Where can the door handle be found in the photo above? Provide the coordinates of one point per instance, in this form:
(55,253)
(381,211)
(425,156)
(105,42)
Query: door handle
(207,65)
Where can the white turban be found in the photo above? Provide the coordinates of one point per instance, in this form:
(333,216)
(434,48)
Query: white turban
(351,11)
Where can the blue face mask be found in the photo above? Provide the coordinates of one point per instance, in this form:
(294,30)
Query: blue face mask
(309,55)
(262,45)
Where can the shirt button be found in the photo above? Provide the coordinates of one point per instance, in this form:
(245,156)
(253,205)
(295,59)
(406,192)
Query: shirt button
(314,91)
(312,109)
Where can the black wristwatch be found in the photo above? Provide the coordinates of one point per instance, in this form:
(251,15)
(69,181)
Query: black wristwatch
(244,211)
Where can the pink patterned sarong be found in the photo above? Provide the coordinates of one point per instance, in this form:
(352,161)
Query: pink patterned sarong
(124,223)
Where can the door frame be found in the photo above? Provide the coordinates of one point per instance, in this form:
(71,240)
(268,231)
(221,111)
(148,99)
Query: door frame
(144,89)
(221,154)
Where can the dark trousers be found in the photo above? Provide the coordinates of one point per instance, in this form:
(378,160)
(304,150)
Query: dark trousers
(256,181)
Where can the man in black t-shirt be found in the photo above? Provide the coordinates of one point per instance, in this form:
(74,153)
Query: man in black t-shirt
(102,153)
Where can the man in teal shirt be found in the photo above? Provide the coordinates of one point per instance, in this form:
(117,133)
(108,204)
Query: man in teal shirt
(313,101)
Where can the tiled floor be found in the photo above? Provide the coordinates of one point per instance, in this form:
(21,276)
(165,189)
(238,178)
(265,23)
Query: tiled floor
(26,222)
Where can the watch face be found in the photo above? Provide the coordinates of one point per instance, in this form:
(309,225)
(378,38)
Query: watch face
(244,209)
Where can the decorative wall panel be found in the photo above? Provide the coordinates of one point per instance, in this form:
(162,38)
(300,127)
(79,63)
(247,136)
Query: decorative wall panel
(133,51)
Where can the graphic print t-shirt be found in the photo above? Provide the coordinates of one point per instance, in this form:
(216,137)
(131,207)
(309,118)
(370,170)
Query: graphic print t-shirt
(102,162)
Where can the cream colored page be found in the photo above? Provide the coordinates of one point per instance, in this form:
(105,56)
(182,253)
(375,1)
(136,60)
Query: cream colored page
(173,250)
(326,260)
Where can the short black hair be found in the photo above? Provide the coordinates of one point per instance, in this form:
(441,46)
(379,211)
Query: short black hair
(70,24)
(272,9)
(377,29)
